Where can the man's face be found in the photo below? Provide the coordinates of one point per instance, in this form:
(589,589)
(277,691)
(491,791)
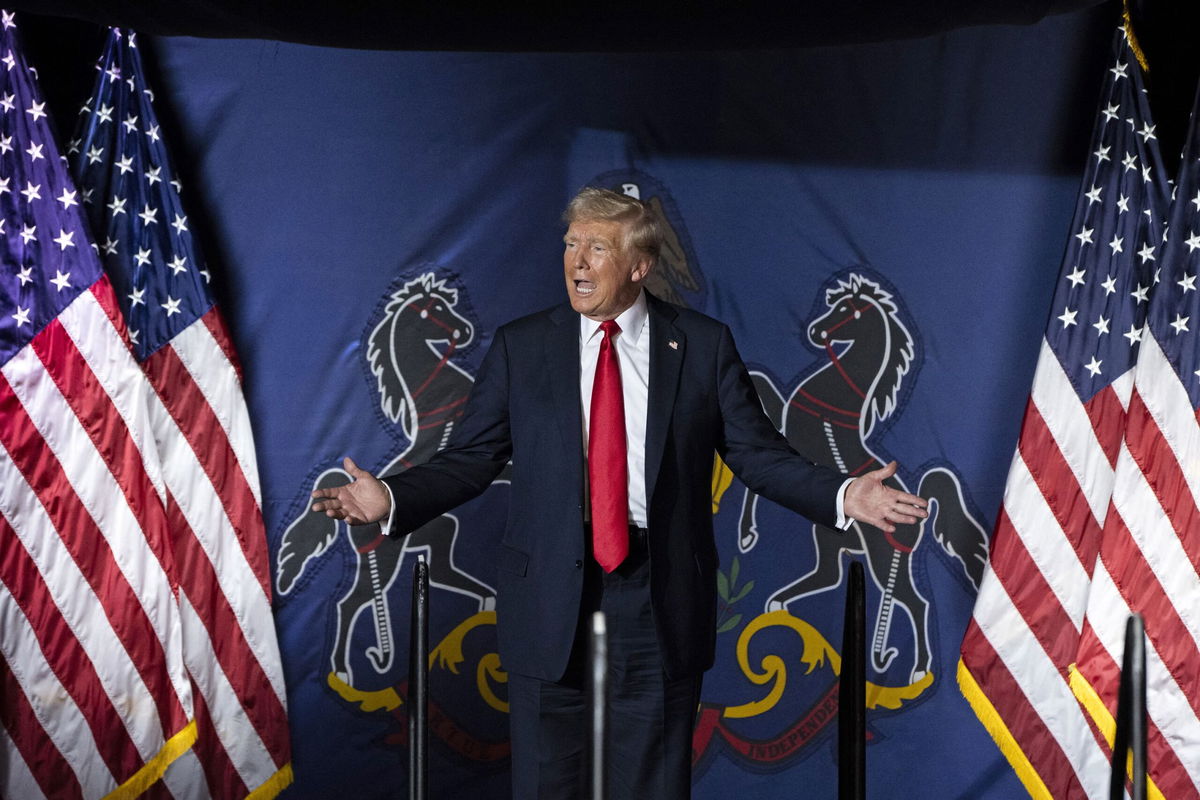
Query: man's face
(603,276)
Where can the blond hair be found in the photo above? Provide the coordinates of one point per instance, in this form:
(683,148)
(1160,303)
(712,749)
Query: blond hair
(643,228)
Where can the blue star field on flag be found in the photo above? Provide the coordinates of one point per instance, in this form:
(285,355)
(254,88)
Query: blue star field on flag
(134,205)
(1099,309)
(47,256)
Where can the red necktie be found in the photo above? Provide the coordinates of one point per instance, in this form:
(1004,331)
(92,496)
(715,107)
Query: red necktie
(608,470)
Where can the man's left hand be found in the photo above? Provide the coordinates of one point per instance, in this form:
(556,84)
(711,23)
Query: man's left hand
(869,500)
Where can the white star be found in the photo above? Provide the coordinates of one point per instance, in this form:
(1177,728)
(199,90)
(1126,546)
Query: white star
(117,206)
(8,19)
(152,133)
(1146,178)
(172,306)
(1119,71)
(207,277)
(1115,244)
(94,154)
(1068,317)
(180,224)
(1101,326)
(113,73)
(1123,203)
(152,176)
(1147,132)
(104,114)
(177,184)
(25,275)
(61,279)
(135,299)
(32,192)
(64,239)
(73,146)
(1192,242)
(110,247)
(1134,335)
(1110,113)
(67,199)
(125,164)
(130,123)
(4,186)
(8,102)
(1093,366)
(178,265)
(1094,195)
(1102,153)
(87,196)
(37,111)
(1130,162)
(133,335)
(1109,285)
(22,316)
(1147,253)
(143,257)
(29,234)
(1085,236)
(1187,283)
(149,215)
(35,151)
(1196,199)
(1076,277)
(1180,324)
(9,60)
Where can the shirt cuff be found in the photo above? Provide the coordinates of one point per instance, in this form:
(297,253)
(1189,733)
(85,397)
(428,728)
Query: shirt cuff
(843,522)
(386,524)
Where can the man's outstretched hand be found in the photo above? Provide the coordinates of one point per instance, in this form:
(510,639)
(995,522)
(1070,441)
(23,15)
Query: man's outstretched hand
(365,499)
(869,500)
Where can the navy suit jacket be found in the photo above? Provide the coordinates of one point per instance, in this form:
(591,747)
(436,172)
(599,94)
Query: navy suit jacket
(525,406)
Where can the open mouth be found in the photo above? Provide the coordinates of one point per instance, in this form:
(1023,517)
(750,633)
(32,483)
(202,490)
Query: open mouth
(584,287)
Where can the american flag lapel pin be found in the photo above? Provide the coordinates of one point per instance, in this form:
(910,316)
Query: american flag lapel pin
(674,345)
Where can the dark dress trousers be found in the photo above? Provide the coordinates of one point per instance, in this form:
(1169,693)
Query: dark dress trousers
(525,406)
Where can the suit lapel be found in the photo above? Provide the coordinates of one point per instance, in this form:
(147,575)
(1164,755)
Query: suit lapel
(667,348)
(561,354)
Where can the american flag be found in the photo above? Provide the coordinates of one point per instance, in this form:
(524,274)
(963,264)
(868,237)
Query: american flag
(1150,551)
(1016,659)
(94,695)
(202,431)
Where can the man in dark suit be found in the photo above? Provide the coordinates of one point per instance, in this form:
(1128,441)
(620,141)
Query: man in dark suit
(611,429)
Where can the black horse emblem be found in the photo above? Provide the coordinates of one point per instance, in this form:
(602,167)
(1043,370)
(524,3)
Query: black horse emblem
(829,417)
(420,388)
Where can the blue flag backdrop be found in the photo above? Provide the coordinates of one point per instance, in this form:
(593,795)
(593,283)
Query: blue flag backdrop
(881,226)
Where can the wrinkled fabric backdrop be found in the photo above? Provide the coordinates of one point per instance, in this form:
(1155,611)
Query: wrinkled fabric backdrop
(934,177)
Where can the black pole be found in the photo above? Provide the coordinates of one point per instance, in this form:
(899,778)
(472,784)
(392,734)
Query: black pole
(418,686)
(852,692)
(1129,743)
(598,682)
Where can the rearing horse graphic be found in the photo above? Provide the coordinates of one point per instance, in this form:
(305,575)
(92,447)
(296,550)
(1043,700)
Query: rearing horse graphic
(424,391)
(828,418)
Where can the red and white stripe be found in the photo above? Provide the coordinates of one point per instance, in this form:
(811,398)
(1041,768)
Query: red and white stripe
(91,637)
(1028,615)
(1147,564)
(202,427)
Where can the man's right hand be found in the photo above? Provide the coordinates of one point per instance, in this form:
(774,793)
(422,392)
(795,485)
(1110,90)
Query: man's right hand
(365,499)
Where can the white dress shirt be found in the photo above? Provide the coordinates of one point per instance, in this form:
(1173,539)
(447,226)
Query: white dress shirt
(633,359)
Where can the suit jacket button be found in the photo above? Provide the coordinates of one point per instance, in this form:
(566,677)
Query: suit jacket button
(578,564)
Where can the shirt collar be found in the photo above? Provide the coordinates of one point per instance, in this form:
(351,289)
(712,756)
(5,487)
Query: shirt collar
(631,321)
